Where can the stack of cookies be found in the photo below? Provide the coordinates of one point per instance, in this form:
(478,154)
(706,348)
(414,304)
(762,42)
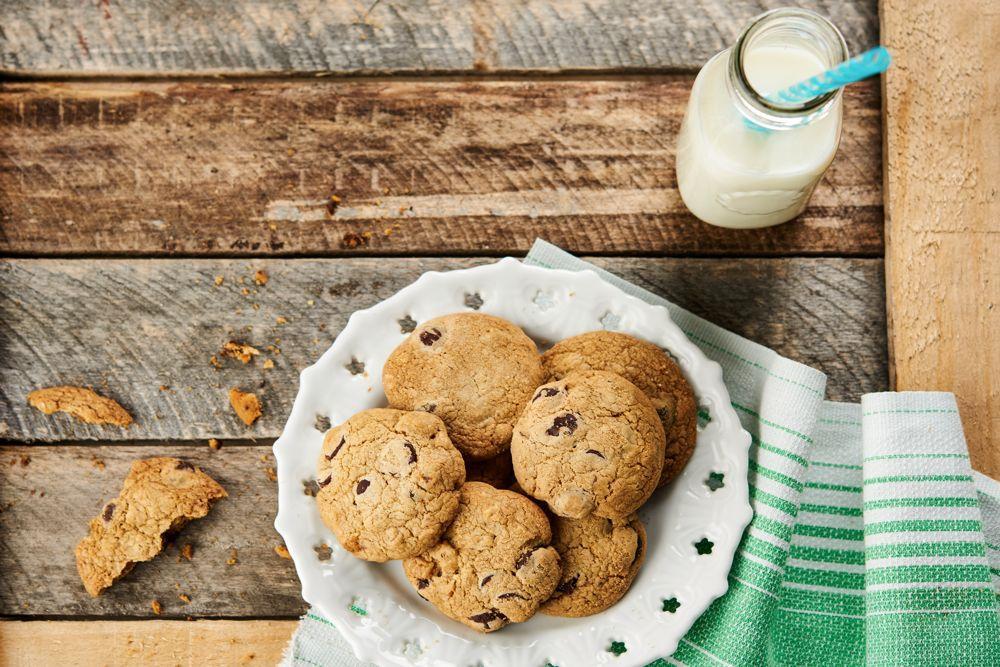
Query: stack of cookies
(507,481)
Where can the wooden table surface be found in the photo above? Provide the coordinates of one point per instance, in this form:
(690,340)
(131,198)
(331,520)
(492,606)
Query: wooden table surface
(147,150)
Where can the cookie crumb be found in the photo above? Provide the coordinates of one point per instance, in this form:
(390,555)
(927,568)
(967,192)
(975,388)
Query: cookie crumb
(164,387)
(97,463)
(85,404)
(282,551)
(241,351)
(187,551)
(246,405)
(218,280)
(214,444)
(233,557)
(215,362)
(260,277)
(280,320)
(185,598)
(156,606)
(333,204)
(271,474)
(268,364)
(25,460)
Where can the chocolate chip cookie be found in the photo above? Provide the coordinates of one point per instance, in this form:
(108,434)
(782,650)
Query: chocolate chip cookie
(497,471)
(474,371)
(159,496)
(600,559)
(647,367)
(494,565)
(389,483)
(589,443)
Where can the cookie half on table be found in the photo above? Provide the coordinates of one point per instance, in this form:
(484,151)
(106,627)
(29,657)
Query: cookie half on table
(159,496)
(494,565)
(389,483)
(646,366)
(589,443)
(474,371)
(600,559)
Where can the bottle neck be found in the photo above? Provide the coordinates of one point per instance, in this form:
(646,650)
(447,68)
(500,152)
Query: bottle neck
(792,30)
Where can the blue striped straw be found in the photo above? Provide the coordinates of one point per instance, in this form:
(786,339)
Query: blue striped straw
(869,63)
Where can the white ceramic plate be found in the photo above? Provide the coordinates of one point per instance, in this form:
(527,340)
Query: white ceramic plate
(378,612)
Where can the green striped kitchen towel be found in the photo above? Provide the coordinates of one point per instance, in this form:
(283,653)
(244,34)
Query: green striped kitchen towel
(872,543)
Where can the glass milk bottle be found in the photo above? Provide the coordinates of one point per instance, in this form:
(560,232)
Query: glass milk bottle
(746,161)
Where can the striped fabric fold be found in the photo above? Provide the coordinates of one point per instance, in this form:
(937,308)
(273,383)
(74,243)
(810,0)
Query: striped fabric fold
(872,543)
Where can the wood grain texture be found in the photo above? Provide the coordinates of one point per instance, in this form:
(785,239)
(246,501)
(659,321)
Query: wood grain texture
(49,494)
(143,331)
(421,167)
(239,36)
(943,224)
(143,643)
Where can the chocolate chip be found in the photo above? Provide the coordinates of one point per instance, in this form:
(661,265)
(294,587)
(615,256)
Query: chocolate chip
(423,583)
(326,481)
(546,391)
(427,407)
(568,586)
(329,457)
(489,616)
(413,452)
(184,465)
(523,559)
(108,511)
(594,451)
(485,580)
(430,336)
(566,421)
(362,486)
(509,596)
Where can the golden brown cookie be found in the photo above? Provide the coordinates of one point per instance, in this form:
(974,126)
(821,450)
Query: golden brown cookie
(159,496)
(590,442)
(494,565)
(474,371)
(600,558)
(647,367)
(84,404)
(497,471)
(389,483)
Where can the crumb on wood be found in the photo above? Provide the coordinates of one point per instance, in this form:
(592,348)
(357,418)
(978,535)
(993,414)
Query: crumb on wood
(97,463)
(219,280)
(214,444)
(271,473)
(187,551)
(245,291)
(260,277)
(310,302)
(156,606)
(282,551)
(268,364)
(246,405)
(25,460)
(82,403)
(164,387)
(233,557)
(281,320)
(215,362)
(185,598)
(351,240)
(240,351)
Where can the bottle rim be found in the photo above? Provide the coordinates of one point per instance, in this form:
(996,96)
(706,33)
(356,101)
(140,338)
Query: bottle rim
(781,115)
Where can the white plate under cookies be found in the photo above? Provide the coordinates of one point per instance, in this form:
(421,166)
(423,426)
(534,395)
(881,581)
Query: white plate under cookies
(375,608)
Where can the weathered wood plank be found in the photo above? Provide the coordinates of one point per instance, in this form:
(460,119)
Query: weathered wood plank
(143,643)
(422,168)
(943,224)
(240,36)
(49,494)
(143,331)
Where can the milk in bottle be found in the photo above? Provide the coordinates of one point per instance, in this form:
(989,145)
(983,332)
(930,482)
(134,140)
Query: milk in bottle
(746,161)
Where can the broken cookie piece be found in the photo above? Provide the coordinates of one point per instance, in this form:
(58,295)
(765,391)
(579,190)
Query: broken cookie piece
(245,404)
(158,498)
(84,404)
(240,351)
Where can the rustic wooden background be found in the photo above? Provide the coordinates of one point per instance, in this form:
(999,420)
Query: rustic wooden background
(147,148)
